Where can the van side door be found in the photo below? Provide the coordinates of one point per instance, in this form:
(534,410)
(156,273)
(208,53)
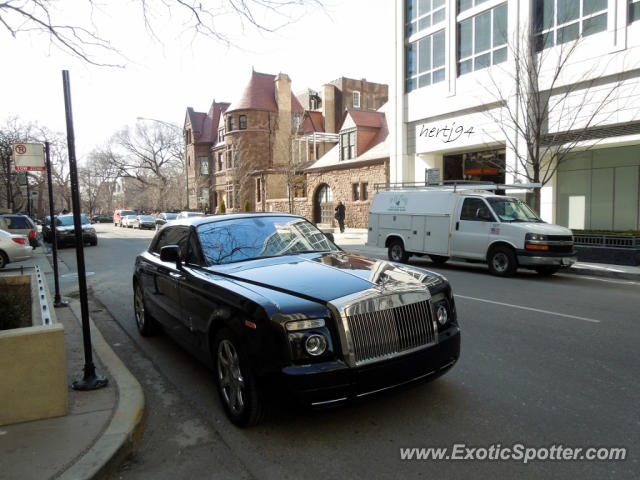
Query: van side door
(470,233)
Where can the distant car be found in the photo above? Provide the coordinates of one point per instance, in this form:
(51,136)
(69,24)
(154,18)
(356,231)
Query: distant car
(275,307)
(164,217)
(101,218)
(189,215)
(146,221)
(65,230)
(13,248)
(119,214)
(129,221)
(19,224)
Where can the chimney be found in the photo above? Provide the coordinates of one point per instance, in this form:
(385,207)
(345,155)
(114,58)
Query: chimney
(329,108)
(283,132)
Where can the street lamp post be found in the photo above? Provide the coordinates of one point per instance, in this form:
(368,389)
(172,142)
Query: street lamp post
(186,167)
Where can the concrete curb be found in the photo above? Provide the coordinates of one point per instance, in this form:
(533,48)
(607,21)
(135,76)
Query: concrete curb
(126,424)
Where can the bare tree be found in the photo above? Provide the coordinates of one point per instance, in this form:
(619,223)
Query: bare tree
(544,107)
(152,153)
(212,19)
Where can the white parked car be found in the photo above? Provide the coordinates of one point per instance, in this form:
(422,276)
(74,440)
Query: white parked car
(130,221)
(14,248)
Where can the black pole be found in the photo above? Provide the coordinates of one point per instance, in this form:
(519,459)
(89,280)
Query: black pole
(57,301)
(90,380)
(26,176)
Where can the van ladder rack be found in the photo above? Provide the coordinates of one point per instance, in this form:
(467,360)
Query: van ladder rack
(454,185)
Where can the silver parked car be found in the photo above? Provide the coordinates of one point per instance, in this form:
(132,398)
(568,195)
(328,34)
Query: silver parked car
(14,248)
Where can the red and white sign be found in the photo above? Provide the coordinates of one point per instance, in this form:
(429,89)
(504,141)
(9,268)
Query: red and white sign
(28,156)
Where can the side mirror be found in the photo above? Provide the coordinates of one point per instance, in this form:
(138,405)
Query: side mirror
(170,253)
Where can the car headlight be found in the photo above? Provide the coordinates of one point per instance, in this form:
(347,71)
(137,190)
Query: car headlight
(308,339)
(91,230)
(536,237)
(316,344)
(442,314)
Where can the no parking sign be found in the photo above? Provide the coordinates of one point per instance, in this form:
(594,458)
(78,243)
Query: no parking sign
(28,157)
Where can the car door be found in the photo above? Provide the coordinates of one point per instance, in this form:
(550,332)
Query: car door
(470,235)
(161,280)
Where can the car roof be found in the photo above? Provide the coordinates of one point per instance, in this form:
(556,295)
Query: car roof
(197,221)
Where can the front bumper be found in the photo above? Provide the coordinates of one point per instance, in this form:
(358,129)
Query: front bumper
(529,259)
(331,383)
(70,239)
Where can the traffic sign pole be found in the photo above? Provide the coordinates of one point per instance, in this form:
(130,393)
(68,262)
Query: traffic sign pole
(57,301)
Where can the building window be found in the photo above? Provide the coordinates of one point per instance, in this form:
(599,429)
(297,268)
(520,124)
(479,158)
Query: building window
(422,14)
(364,193)
(482,40)
(220,161)
(229,158)
(204,195)
(467,4)
(561,21)
(299,190)
(232,124)
(236,157)
(220,134)
(425,61)
(258,190)
(348,144)
(229,194)
(296,121)
(188,135)
(634,10)
(243,122)
(355,188)
(204,166)
(356,99)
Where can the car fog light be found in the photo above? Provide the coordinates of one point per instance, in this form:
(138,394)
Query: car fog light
(315,344)
(442,314)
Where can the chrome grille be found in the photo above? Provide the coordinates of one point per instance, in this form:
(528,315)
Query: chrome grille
(387,333)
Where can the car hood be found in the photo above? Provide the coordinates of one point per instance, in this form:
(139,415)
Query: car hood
(70,228)
(542,228)
(327,276)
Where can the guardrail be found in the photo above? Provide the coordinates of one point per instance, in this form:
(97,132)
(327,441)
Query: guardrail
(597,240)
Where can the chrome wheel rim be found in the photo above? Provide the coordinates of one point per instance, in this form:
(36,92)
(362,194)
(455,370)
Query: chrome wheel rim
(500,262)
(230,377)
(139,308)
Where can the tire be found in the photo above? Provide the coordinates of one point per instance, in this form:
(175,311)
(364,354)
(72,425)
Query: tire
(397,253)
(94,243)
(502,261)
(236,384)
(147,325)
(547,271)
(438,259)
(3,259)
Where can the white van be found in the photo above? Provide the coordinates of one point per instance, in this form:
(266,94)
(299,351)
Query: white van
(467,222)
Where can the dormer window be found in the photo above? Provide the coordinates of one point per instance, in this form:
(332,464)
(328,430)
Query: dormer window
(232,125)
(356,99)
(348,145)
(220,134)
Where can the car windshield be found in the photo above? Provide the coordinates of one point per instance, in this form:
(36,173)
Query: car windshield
(248,238)
(171,216)
(67,220)
(146,218)
(512,210)
(124,213)
(131,217)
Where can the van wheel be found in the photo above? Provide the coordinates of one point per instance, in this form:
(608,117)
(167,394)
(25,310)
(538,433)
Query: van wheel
(438,258)
(397,253)
(502,261)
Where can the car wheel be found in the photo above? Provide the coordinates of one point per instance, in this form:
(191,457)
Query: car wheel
(547,271)
(397,253)
(438,258)
(502,261)
(3,259)
(236,385)
(146,324)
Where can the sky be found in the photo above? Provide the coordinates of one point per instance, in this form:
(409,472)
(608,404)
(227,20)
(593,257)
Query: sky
(168,72)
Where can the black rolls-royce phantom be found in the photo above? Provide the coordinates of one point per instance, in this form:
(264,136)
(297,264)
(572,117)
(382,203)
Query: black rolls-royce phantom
(272,304)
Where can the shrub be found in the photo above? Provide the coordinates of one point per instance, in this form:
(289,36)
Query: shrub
(247,206)
(223,207)
(14,311)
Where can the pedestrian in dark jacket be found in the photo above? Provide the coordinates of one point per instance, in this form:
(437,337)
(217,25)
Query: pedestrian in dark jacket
(340,214)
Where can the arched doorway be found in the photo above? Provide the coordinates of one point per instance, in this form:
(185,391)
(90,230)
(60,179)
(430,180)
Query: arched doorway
(323,205)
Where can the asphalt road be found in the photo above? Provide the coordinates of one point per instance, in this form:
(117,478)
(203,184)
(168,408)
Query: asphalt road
(545,362)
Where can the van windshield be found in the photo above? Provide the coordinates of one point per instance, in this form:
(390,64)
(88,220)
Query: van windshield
(512,210)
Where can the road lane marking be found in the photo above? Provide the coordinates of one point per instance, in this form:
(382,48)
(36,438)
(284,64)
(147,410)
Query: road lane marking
(537,310)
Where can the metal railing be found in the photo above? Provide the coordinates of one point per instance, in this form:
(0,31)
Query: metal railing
(453,185)
(597,240)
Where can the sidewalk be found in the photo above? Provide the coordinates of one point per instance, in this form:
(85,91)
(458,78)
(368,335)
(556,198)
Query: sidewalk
(102,425)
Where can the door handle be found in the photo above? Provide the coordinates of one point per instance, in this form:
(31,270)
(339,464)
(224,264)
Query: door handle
(457,225)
